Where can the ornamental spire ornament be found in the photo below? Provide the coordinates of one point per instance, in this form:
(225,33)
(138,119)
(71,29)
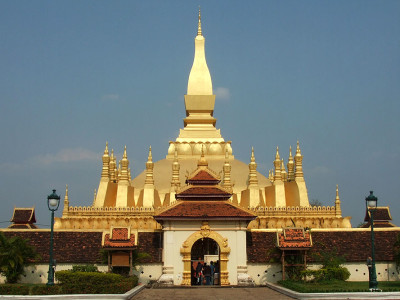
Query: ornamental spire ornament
(123,175)
(199,24)
(113,166)
(149,169)
(106,161)
(66,201)
(253,180)
(338,210)
(175,183)
(278,166)
(290,166)
(227,171)
(298,158)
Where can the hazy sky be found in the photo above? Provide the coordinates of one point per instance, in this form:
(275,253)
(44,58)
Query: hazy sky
(75,74)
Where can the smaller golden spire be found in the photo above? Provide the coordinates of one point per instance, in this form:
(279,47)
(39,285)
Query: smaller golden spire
(94,195)
(199,24)
(66,201)
(175,183)
(124,155)
(338,210)
(283,171)
(277,157)
(227,171)
(105,176)
(298,152)
(123,173)
(202,161)
(113,166)
(290,166)
(298,158)
(149,169)
(106,149)
(253,179)
(278,166)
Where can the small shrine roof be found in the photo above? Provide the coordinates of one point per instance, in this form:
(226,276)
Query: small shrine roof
(380,214)
(120,237)
(203,176)
(203,191)
(294,238)
(23,218)
(205,210)
(23,215)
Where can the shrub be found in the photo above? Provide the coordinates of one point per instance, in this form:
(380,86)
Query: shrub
(116,288)
(327,274)
(44,289)
(14,289)
(70,277)
(94,282)
(85,268)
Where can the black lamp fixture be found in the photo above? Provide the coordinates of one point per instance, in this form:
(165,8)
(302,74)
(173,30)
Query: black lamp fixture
(53,202)
(372,202)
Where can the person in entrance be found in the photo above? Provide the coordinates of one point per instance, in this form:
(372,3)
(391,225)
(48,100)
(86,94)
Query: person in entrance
(199,272)
(207,273)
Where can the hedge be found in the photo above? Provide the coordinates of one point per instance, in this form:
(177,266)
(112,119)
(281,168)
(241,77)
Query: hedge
(70,277)
(14,289)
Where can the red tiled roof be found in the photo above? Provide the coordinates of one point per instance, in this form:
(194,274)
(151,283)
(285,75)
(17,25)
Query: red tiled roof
(294,238)
(205,210)
(119,238)
(203,192)
(380,214)
(202,177)
(119,234)
(23,215)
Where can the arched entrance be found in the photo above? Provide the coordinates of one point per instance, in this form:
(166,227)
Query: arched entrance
(205,250)
(186,251)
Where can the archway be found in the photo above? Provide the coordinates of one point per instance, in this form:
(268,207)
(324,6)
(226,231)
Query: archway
(224,250)
(205,250)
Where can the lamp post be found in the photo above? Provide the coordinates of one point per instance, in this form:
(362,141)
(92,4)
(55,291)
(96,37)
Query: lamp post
(53,201)
(372,202)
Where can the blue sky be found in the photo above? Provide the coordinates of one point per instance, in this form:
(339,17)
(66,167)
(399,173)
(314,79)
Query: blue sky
(75,74)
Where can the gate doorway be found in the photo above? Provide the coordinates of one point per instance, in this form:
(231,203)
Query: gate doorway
(205,251)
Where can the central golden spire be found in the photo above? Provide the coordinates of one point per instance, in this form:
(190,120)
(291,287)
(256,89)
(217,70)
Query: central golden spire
(199,78)
(199,124)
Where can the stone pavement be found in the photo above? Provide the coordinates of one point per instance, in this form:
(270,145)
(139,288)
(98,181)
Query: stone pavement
(209,293)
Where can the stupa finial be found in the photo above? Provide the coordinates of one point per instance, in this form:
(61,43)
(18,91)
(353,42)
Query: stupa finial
(199,24)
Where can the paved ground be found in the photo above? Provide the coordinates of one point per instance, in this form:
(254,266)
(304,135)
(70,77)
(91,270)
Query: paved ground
(209,293)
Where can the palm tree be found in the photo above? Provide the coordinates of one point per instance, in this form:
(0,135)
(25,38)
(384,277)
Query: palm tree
(15,254)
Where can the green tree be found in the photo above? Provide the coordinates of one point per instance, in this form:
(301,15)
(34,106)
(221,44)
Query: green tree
(315,202)
(15,255)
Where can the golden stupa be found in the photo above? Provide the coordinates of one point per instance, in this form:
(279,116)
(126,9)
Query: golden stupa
(279,199)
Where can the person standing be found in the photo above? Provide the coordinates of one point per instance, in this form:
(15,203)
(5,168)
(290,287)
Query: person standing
(199,274)
(212,267)
(207,273)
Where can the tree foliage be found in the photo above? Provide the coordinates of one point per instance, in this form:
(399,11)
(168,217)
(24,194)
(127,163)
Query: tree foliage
(15,254)
(315,202)
(331,269)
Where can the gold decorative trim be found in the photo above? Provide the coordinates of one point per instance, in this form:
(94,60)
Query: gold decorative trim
(186,249)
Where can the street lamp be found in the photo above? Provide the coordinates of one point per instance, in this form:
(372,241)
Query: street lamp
(53,201)
(372,202)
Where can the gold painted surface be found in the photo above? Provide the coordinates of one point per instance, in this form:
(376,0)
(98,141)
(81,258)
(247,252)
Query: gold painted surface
(186,249)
